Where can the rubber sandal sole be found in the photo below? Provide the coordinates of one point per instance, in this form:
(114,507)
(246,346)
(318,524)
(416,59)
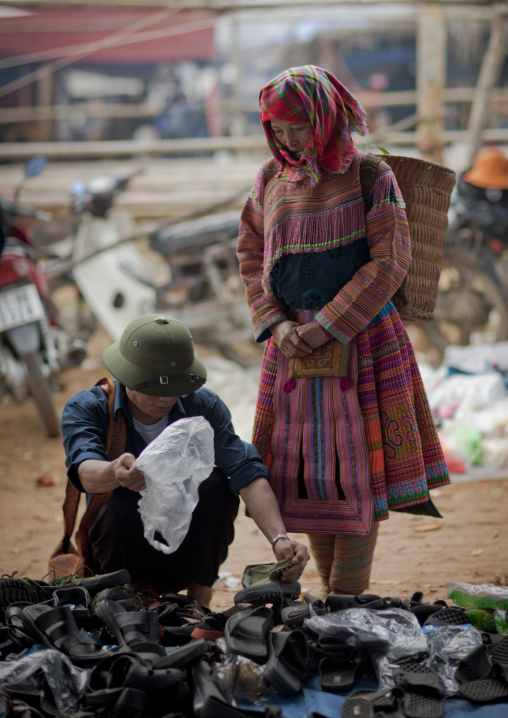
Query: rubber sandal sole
(337,676)
(246,633)
(383,700)
(268,592)
(453,616)
(424,693)
(287,662)
(485,690)
(15,591)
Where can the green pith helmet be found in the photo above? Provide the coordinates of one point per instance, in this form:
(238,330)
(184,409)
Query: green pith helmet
(155,355)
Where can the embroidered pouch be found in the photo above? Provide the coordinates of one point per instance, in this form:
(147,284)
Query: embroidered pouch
(330,359)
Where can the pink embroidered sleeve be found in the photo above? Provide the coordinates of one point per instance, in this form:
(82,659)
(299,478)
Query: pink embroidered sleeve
(250,250)
(374,284)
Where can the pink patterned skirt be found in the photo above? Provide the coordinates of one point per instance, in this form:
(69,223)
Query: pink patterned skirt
(340,458)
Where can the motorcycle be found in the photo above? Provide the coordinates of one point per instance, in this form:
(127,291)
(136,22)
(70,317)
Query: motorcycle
(33,347)
(115,280)
(187,269)
(472,302)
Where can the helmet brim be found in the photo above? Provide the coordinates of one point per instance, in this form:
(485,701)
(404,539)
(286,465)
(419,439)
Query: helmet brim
(174,383)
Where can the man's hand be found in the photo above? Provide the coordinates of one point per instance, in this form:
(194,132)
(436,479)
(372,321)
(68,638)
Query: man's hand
(128,477)
(288,339)
(285,548)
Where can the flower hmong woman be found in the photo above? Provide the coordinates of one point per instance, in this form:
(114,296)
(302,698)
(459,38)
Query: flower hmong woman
(342,420)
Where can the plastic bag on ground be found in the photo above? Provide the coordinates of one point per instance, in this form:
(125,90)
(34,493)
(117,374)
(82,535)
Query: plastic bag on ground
(481,595)
(448,645)
(391,636)
(51,673)
(475,357)
(477,391)
(174,464)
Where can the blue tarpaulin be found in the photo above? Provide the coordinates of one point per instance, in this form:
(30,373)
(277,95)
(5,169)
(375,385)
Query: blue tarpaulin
(329,705)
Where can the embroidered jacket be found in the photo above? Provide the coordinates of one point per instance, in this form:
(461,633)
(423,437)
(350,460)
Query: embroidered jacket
(283,218)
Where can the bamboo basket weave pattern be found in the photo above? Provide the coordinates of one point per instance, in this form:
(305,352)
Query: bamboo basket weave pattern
(426,188)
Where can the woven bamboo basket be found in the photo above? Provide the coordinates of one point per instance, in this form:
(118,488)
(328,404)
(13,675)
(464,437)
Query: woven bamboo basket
(426,188)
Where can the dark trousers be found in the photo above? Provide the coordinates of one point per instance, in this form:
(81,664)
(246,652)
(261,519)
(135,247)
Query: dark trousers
(117,539)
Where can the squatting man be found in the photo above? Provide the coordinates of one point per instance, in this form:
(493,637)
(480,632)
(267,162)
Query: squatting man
(159,380)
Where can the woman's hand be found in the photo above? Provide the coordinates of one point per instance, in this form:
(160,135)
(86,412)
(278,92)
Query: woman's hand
(312,334)
(287,548)
(288,340)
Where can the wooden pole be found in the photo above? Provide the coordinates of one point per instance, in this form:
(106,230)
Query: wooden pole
(431,80)
(206,145)
(489,73)
(44,89)
(238,118)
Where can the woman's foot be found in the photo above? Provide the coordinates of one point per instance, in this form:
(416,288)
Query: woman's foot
(201,594)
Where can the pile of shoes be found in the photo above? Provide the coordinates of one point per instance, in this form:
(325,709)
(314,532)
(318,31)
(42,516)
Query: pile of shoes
(104,646)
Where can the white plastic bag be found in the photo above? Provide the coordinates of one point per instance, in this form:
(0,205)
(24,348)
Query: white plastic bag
(174,464)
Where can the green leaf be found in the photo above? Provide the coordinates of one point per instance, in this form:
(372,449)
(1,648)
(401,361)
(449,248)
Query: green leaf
(381,149)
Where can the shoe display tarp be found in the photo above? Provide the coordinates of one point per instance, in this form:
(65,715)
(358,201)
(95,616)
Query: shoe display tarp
(329,705)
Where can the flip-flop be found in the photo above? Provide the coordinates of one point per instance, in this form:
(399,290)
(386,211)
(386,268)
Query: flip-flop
(268,592)
(498,654)
(14,622)
(212,626)
(287,662)
(337,675)
(94,584)
(451,616)
(177,635)
(208,701)
(475,665)
(424,694)
(131,671)
(484,690)
(128,627)
(294,616)
(57,628)
(184,655)
(339,602)
(367,704)
(14,590)
(246,633)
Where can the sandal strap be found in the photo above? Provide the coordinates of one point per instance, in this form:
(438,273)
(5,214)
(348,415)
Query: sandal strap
(136,625)
(419,676)
(61,629)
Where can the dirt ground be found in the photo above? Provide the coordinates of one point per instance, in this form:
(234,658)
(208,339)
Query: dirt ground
(413,553)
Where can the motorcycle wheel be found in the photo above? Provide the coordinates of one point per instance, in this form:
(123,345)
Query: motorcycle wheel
(471,306)
(41,393)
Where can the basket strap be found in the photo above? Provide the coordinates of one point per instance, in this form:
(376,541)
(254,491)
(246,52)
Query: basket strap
(115,446)
(70,512)
(369,166)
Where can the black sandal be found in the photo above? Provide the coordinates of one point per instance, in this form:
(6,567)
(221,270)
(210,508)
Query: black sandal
(424,694)
(57,628)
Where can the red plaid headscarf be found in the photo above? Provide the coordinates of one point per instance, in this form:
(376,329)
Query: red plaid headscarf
(312,95)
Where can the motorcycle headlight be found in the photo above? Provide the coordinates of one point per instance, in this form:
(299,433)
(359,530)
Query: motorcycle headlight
(21,267)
